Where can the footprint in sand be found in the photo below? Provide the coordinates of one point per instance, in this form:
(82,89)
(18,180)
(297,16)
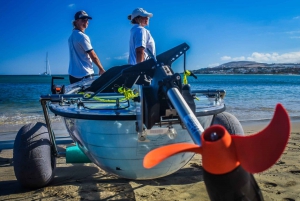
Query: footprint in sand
(269,185)
(290,183)
(280,163)
(295,172)
(287,199)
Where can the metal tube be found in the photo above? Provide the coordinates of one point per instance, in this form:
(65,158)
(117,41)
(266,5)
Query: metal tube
(140,110)
(48,123)
(187,116)
(184,62)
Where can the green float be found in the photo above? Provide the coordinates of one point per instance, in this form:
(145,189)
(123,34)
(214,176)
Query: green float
(75,155)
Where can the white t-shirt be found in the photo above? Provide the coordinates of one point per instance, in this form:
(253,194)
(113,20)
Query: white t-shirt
(80,63)
(140,37)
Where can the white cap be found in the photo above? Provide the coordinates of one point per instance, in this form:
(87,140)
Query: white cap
(140,12)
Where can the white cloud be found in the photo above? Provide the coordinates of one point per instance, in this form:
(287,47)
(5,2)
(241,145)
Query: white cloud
(296,18)
(213,65)
(124,56)
(71,5)
(292,32)
(242,58)
(291,57)
(225,58)
(108,58)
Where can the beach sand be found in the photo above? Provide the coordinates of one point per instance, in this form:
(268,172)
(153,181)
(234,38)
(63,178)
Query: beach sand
(88,182)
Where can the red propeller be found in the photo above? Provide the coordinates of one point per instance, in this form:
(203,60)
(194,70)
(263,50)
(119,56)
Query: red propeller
(255,153)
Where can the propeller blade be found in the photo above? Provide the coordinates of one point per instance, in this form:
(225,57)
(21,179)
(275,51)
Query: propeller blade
(260,151)
(158,155)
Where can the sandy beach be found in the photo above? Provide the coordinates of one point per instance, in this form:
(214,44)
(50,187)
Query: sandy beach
(88,182)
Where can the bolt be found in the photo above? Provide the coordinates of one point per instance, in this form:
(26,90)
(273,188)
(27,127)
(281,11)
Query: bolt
(214,136)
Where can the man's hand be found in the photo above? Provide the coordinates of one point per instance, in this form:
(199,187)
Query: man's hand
(96,60)
(101,71)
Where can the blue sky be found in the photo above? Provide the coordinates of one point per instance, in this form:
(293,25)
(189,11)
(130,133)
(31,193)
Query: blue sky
(217,31)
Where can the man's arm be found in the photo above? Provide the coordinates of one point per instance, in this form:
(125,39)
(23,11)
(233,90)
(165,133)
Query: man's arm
(96,60)
(139,54)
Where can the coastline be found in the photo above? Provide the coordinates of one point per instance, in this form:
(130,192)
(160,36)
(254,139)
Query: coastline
(87,181)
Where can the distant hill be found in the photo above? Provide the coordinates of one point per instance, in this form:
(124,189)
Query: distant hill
(251,67)
(238,64)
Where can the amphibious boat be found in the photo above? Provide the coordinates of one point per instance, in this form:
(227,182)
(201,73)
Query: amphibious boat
(117,118)
(136,117)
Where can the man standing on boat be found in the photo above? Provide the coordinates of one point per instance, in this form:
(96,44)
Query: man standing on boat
(81,51)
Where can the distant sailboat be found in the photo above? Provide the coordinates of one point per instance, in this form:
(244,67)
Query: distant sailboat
(48,71)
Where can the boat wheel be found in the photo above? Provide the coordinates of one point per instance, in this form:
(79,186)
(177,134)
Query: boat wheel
(34,164)
(230,122)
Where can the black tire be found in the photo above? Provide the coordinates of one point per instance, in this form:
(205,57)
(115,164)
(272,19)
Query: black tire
(230,122)
(34,164)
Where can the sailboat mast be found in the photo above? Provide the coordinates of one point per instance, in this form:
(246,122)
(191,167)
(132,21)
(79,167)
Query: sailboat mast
(47,63)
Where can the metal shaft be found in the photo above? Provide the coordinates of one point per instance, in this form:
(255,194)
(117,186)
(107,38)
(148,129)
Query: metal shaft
(185,113)
(48,123)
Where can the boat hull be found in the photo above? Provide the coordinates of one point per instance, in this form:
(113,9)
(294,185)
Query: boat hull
(115,145)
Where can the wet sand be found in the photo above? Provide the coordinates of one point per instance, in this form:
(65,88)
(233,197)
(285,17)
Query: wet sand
(88,182)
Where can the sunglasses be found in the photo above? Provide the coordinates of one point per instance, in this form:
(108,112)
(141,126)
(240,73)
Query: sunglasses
(84,19)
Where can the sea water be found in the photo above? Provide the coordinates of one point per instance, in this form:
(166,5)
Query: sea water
(248,97)
(20,97)
(254,97)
